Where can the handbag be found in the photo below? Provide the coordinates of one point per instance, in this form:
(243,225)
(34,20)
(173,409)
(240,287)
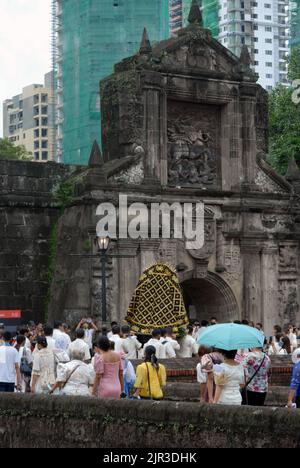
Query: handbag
(245,391)
(69,376)
(24,366)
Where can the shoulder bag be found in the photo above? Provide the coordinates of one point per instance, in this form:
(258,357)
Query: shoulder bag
(70,375)
(24,366)
(244,391)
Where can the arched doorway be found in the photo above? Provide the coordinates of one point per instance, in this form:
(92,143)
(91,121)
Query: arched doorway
(209,297)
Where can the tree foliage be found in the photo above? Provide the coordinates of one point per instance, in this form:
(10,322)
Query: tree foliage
(10,152)
(284,120)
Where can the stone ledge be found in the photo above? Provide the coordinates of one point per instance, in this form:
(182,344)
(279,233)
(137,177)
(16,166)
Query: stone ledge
(69,422)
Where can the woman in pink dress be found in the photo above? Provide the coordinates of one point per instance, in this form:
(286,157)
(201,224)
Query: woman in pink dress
(108,367)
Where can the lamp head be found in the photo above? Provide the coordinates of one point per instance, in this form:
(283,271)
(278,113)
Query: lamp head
(103,243)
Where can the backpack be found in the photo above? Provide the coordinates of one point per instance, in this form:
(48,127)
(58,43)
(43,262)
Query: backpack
(129,374)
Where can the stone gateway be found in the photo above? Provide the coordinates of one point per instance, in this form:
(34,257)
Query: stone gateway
(185,121)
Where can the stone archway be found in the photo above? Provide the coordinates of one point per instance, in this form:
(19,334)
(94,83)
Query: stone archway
(209,296)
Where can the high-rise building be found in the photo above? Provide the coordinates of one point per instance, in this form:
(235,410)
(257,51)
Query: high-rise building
(295,22)
(91,36)
(28,119)
(263,25)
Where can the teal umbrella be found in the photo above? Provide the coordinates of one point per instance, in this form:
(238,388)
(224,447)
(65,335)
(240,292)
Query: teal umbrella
(230,336)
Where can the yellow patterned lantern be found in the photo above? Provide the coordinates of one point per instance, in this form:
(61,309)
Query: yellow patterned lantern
(157,301)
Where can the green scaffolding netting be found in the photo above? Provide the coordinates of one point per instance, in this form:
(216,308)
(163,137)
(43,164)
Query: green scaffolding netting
(95,35)
(210,11)
(295,23)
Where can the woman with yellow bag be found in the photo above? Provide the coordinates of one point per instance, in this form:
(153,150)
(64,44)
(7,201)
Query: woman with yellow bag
(150,377)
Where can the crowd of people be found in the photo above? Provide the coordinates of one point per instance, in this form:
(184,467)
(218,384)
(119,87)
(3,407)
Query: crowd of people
(91,362)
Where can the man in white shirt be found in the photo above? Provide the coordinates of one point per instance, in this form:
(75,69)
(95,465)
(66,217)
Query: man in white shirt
(188,345)
(110,334)
(204,325)
(155,341)
(169,350)
(117,339)
(25,332)
(48,332)
(9,366)
(63,340)
(131,344)
(172,345)
(58,330)
(80,346)
(89,328)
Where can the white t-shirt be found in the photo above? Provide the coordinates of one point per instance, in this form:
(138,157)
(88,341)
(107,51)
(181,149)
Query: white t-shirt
(293,340)
(118,343)
(81,346)
(9,357)
(63,341)
(131,346)
(56,333)
(278,350)
(188,347)
(199,333)
(27,343)
(160,349)
(88,337)
(50,342)
(170,347)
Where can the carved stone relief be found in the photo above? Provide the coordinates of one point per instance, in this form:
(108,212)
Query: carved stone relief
(288,302)
(266,184)
(167,252)
(288,258)
(209,241)
(132,176)
(232,263)
(288,287)
(193,144)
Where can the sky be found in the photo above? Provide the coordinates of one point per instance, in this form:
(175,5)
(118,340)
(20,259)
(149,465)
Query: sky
(25,53)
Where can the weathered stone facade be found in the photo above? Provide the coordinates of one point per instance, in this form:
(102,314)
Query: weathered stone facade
(28,212)
(186,121)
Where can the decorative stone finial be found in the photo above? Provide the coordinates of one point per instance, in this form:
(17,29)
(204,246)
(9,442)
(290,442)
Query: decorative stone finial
(96,159)
(245,57)
(195,16)
(293,172)
(145,44)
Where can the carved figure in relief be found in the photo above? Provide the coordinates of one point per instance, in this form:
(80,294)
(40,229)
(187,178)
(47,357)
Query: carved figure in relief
(190,159)
(288,258)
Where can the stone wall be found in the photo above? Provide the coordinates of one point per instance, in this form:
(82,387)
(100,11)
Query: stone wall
(62,422)
(184,370)
(28,212)
(189,392)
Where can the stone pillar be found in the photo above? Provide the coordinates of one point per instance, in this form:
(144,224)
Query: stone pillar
(252,293)
(248,112)
(155,110)
(269,286)
(231,145)
(148,253)
(128,272)
(220,264)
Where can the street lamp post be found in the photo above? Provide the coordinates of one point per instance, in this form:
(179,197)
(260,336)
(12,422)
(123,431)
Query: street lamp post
(103,244)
